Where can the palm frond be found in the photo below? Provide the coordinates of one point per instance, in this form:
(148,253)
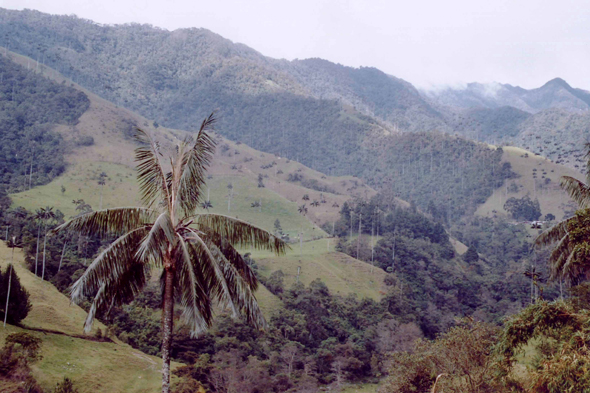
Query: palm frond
(154,244)
(233,257)
(194,163)
(153,181)
(570,266)
(115,221)
(242,294)
(554,234)
(114,277)
(211,270)
(559,256)
(191,293)
(241,234)
(577,190)
(112,263)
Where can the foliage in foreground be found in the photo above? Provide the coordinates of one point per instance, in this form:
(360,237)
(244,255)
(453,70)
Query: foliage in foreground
(462,359)
(562,335)
(19,351)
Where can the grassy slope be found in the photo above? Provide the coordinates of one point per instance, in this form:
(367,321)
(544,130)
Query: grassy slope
(342,274)
(95,366)
(551,197)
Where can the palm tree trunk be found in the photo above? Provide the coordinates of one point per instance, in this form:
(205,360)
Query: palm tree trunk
(100,205)
(9,283)
(63,251)
(37,252)
(44,247)
(167,324)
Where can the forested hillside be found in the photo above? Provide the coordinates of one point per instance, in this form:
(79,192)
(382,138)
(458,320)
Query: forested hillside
(30,106)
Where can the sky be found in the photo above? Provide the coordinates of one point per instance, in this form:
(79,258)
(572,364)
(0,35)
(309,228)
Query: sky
(432,43)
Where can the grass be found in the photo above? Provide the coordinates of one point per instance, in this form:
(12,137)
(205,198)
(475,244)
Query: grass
(342,274)
(81,182)
(552,198)
(273,206)
(94,366)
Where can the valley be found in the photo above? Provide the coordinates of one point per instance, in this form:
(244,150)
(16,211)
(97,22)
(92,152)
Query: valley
(404,215)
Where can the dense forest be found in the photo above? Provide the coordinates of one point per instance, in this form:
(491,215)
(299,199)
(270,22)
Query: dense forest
(30,105)
(433,284)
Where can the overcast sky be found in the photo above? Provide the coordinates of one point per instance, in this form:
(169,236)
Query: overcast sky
(434,42)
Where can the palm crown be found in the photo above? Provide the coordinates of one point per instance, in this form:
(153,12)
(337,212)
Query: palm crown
(200,266)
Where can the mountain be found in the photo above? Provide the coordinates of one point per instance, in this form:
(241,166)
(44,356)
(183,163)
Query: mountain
(556,93)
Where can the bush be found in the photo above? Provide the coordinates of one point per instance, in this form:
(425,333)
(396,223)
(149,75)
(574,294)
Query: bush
(65,386)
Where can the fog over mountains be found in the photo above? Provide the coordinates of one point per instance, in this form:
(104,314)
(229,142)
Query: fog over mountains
(176,76)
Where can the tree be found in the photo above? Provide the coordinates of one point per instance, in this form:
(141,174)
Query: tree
(46,214)
(200,266)
(101,182)
(207,205)
(65,386)
(523,208)
(19,304)
(39,214)
(569,259)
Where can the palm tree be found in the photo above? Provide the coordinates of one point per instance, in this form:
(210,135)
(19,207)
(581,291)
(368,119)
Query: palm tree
(207,205)
(48,214)
(101,182)
(572,235)
(38,216)
(195,252)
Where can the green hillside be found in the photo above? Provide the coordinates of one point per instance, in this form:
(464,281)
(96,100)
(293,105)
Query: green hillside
(94,366)
(538,177)
(343,274)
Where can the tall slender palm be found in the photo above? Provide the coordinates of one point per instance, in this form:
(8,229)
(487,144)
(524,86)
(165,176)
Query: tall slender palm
(570,257)
(48,214)
(38,216)
(200,266)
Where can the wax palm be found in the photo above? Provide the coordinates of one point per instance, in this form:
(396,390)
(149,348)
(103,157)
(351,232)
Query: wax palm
(46,214)
(570,258)
(200,266)
(38,216)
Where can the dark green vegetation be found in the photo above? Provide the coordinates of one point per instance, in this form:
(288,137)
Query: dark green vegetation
(18,301)
(523,208)
(19,352)
(30,106)
(445,176)
(431,284)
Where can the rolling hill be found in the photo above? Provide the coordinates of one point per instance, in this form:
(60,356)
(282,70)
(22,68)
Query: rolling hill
(93,365)
(538,177)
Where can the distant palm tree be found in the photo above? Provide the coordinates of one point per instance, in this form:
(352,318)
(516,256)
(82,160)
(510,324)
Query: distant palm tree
(200,266)
(207,205)
(48,214)
(38,216)
(315,203)
(568,259)
(101,182)
(302,209)
(305,197)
